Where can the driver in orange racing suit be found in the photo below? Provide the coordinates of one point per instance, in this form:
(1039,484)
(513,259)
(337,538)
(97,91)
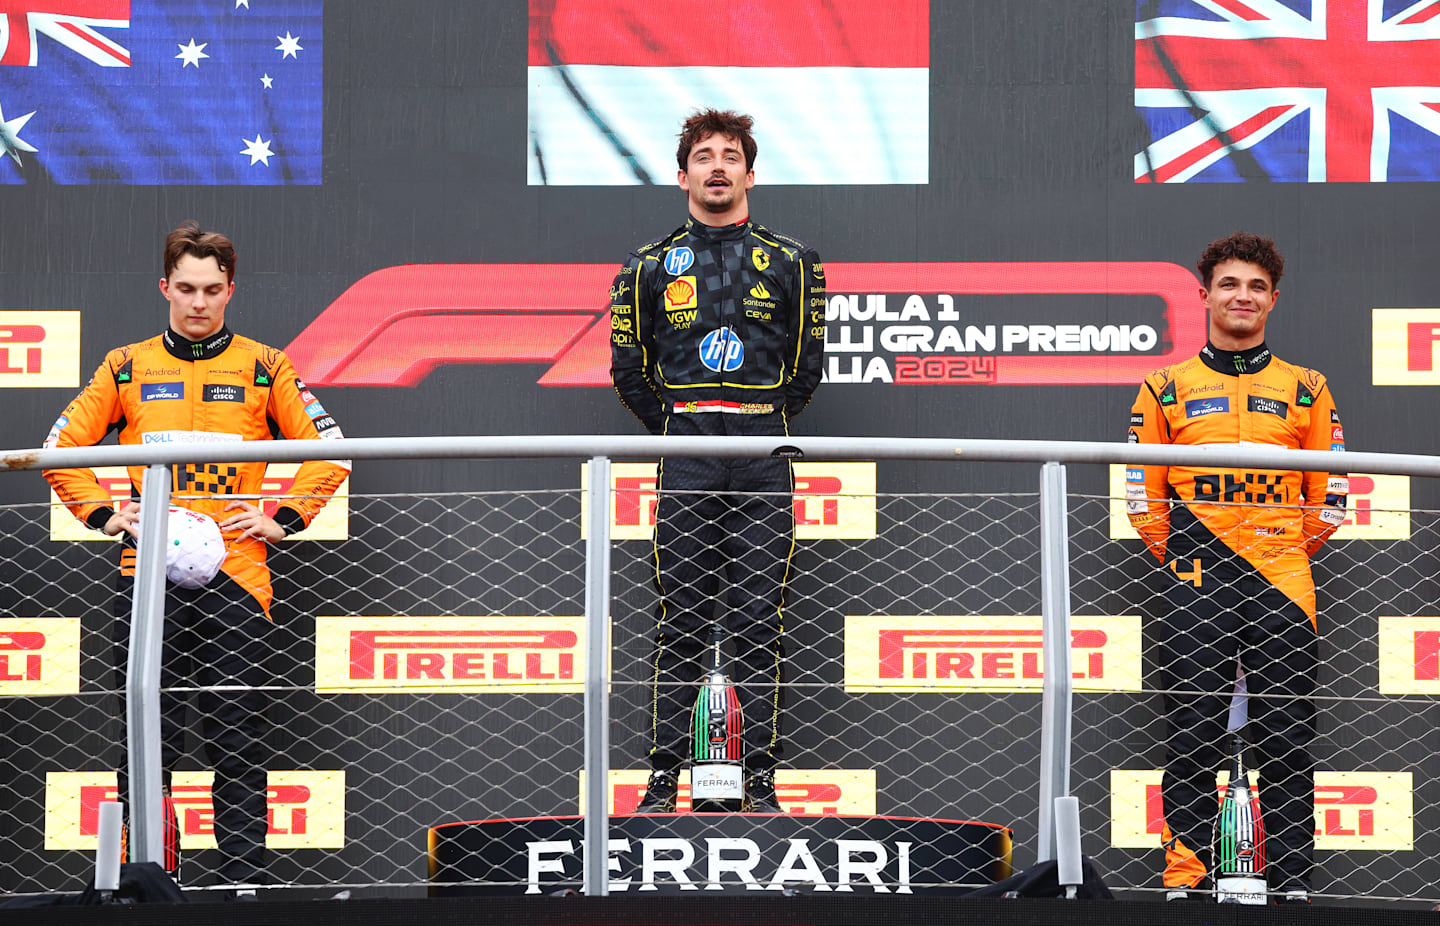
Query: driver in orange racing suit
(198,383)
(1236,550)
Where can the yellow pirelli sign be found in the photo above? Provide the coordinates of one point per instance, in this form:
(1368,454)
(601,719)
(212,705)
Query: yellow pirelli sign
(331,523)
(39,349)
(1378,508)
(1402,345)
(304,809)
(833,501)
(39,656)
(929,652)
(1357,811)
(492,653)
(804,791)
(1410,655)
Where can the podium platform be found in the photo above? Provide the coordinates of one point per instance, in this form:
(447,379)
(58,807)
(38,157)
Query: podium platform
(724,853)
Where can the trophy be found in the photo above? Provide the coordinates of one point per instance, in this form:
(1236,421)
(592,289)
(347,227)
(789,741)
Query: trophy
(717,766)
(1239,844)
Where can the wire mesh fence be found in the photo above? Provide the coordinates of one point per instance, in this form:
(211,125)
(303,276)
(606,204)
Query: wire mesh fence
(1372,696)
(425,666)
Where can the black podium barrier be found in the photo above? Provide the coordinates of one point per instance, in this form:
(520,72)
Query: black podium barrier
(681,853)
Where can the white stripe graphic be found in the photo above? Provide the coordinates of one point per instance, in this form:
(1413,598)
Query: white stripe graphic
(812,125)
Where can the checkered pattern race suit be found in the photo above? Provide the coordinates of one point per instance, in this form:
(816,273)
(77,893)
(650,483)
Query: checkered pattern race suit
(719,331)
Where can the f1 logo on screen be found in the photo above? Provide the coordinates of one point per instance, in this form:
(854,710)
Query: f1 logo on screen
(396,325)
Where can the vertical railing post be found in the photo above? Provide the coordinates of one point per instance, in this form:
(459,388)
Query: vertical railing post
(1055,610)
(142,675)
(597,681)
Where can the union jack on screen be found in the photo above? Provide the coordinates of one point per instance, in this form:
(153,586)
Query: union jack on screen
(161,91)
(1292,90)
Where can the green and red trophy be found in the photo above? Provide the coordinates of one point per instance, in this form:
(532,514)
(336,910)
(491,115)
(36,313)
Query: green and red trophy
(717,759)
(1239,844)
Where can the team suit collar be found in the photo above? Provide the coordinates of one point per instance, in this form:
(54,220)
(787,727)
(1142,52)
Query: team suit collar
(1233,362)
(182,348)
(717,232)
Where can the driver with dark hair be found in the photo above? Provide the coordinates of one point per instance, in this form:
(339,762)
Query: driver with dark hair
(1235,546)
(718,329)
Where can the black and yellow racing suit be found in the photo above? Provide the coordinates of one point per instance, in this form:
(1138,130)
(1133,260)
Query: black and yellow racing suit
(1236,548)
(719,331)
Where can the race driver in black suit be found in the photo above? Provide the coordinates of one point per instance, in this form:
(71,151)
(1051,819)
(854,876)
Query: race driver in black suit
(717,329)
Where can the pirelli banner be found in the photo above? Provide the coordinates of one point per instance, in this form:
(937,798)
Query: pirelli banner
(1356,811)
(1403,347)
(1378,507)
(305,809)
(39,656)
(801,791)
(833,501)
(891,653)
(39,349)
(332,522)
(494,654)
(1410,655)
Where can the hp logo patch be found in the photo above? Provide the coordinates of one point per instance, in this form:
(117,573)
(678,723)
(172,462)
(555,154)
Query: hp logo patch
(722,351)
(678,260)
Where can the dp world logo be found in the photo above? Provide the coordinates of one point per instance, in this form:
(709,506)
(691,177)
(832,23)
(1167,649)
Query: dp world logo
(722,351)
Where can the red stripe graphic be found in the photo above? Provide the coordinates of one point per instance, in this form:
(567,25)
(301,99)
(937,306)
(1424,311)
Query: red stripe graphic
(393,326)
(1237,135)
(741,33)
(1423,16)
(109,48)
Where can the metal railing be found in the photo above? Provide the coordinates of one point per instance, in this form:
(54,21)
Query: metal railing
(1055,539)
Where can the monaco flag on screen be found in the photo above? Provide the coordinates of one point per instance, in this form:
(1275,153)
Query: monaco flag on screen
(1296,90)
(840,90)
(160,91)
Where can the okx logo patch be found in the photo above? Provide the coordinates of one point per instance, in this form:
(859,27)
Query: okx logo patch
(722,351)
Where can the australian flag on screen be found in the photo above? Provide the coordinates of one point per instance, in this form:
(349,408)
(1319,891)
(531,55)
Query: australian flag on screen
(1294,90)
(161,91)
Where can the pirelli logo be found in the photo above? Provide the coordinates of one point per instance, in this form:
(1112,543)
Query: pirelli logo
(305,809)
(39,350)
(1403,347)
(332,523)
(449,654)
(1378,508)
(1410,655)
(1357,811)
(39,656)
(833,501)
(972,652)
(801,791)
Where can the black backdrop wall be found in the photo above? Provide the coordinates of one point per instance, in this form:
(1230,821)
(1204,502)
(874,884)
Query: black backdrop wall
(1032,139)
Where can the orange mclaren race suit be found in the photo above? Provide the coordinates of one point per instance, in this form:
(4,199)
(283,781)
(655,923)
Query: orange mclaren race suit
(1235,547)
(719,331)
(168,390)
